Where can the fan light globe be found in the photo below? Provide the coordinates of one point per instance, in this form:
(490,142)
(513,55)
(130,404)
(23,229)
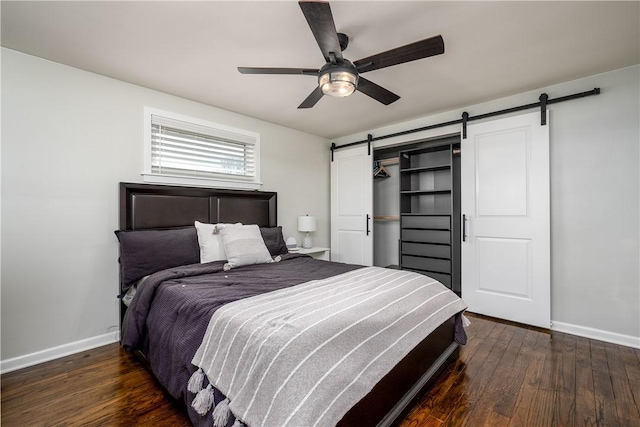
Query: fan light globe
(338,83)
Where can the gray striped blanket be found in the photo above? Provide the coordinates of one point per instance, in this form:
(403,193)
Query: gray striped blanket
(303,356)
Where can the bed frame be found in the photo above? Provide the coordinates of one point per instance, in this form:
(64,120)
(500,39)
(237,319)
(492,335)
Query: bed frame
(144,206)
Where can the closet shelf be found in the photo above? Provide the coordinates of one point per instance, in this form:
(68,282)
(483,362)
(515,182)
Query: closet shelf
(429,149)
(426,169)
(426,228)
(419,192)
(428,210)
(386,217)
(442,213)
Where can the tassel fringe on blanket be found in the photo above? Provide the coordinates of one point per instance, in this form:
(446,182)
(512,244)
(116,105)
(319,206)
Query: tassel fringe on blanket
(203,400)
(195,382)
(221,414)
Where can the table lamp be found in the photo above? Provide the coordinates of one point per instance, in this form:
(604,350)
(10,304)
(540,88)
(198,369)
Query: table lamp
(306,224)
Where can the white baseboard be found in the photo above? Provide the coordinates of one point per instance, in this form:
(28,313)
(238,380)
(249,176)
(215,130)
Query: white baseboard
(596,334)
(31,359)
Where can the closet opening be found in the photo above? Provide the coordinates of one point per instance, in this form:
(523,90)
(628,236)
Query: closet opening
(416,208)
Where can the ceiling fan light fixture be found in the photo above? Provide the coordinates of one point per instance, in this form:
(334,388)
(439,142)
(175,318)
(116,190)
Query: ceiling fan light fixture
(339,77)
(338,83)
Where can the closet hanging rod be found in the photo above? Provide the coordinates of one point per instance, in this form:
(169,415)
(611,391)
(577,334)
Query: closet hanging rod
(387,217)
(542,103)
(391,161)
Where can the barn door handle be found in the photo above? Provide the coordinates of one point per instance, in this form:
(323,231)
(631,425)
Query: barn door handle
(464,228)
(368,224)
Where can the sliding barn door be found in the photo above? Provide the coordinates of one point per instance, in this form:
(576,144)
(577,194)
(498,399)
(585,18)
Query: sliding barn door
(352,206)
(505,200)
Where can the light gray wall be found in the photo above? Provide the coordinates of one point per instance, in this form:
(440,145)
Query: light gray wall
(69,137)
(595,196)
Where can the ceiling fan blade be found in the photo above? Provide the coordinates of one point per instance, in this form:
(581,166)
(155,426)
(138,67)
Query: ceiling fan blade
(320,20)
(312,99)
(264,70)
(376,92)
(411,52)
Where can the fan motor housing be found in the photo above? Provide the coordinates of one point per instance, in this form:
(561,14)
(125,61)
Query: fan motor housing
(343,65)
(343,39)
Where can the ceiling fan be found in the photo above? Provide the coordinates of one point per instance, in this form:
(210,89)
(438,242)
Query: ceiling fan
(340,77)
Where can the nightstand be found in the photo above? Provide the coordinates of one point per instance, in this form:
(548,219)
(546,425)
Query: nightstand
(315,252)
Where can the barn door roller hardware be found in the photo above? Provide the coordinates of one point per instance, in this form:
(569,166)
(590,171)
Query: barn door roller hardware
(465,118)
(543,109)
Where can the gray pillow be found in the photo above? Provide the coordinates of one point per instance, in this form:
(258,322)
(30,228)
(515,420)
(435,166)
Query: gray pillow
(243,245)
(274,240)
(144,252)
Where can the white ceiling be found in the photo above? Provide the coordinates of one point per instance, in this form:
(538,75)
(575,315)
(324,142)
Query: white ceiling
(192,49)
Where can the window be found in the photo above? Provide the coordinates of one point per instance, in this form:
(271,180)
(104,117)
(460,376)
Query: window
(184,150)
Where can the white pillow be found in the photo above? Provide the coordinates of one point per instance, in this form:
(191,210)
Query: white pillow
(211,247)
(243,245)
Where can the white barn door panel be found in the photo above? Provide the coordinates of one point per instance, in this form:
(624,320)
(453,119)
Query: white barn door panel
(505,200)
(352,206)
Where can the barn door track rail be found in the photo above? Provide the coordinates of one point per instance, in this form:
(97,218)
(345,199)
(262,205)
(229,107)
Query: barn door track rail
(543,102)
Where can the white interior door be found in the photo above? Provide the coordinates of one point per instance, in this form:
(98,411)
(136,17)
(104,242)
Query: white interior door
(352,206)
(505,199)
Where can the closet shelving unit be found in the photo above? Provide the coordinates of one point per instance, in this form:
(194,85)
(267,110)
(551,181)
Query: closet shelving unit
(428,223)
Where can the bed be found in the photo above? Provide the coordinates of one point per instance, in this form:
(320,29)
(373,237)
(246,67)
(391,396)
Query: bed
(170,315)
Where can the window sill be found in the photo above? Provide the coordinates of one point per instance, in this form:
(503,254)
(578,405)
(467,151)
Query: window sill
(201,182)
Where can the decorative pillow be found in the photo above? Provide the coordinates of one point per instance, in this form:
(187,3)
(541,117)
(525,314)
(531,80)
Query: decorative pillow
(211,248)
(274,240)
(144,252)
(243,245)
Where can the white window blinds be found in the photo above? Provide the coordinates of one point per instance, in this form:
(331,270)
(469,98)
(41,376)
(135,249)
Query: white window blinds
(180,148)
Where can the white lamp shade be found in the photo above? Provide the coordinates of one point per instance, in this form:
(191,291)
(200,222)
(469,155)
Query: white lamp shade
(306,223)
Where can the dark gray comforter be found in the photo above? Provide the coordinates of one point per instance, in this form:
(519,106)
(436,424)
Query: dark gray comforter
(169,315)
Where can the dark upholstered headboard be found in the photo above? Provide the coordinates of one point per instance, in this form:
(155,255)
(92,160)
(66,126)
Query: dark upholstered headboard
(162,206)
(145,206)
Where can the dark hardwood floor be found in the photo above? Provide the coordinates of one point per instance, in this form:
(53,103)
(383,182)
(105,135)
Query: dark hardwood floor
(508,375)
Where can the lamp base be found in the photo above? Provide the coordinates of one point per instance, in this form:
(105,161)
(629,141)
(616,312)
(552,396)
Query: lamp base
(307,243)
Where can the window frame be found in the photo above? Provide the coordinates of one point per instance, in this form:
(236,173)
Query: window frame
(177,179)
